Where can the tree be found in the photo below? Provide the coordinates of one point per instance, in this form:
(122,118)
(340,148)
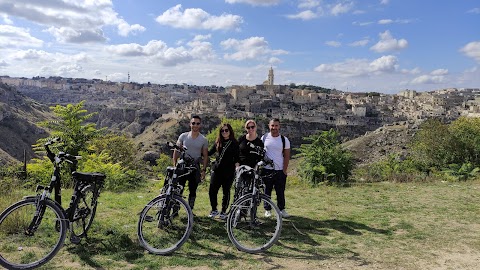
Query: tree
(237,126)
(75,135)
(433,146)
(70,128)
(325,159)
(120,149)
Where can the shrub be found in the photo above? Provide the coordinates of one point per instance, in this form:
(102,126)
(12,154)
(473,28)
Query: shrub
(118,178)
(393,169)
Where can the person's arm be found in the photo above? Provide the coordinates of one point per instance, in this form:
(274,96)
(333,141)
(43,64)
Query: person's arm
(286,160)
(205,162)
(175,157)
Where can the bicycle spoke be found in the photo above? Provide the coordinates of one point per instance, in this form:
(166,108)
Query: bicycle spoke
(20,249)
(249,229)
(163,227)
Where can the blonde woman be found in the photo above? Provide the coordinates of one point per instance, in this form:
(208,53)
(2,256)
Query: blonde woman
(247,158)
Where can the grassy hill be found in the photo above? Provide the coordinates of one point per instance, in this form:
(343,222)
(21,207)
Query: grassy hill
(410,226)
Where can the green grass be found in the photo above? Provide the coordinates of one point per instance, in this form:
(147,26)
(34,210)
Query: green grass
(369,226)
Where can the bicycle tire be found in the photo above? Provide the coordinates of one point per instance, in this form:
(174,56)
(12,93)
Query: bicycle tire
(22,250)
(85,211)
(247,227)
(163,236)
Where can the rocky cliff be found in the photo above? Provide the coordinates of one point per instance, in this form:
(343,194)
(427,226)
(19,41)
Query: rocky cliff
(19,116)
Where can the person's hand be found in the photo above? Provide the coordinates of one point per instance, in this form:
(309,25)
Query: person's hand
(202,175)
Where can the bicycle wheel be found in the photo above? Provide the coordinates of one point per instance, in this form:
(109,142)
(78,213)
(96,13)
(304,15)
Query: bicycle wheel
(165,224)
(24,248)
(247,227)
(84,212)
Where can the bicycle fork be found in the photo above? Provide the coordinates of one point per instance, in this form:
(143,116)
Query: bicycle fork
(39,212)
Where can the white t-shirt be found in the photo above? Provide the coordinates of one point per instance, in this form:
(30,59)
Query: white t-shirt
(274,149)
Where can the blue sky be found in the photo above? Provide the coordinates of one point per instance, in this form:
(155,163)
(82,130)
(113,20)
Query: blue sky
(351,45)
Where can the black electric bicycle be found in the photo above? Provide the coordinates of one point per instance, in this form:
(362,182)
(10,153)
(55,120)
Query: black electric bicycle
(34,229)
(166,221)
(249,228)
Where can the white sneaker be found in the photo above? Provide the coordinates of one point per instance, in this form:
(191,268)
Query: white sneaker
(213,214)
(284,213)
(268,213)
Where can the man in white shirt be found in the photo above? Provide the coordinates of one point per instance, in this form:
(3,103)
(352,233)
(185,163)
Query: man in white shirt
(277,148)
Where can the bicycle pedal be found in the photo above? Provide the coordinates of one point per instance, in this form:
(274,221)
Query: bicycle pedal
(148,218)
(75,239)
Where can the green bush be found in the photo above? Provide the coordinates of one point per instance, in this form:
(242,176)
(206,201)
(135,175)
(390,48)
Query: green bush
(118,178)
(460,172)
(324,160)
(162,163)
(392,169)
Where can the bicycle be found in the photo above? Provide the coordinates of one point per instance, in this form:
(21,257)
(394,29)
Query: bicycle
(166,221)
(248,230)
(34,229)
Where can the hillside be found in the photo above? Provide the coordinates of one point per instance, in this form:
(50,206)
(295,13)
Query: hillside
(18,129)
(379,144)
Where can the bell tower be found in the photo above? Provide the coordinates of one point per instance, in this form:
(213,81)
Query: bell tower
(270,76)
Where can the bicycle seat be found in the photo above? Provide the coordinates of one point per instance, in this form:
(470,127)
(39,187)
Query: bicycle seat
(89,176)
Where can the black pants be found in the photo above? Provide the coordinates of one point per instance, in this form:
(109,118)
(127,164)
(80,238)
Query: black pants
(278,180)
(193,181)
(223,179)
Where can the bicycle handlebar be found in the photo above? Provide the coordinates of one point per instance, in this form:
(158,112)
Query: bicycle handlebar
(61,156)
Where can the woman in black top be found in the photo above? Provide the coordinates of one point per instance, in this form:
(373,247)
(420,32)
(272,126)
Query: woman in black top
(247,158)
(226,147)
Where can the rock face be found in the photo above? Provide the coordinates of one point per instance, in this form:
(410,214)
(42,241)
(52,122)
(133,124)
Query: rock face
(18,124)
(379,144)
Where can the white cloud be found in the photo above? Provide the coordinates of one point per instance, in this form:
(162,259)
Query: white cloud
(474,10)
(360,67)
(250,48)
(472,50)
(158,51)
(196,18)
(70,35)
(31,54)
(359,43)
(255,2)
(384,2)
(388,43)
(439,72)
(390,21)
(124,29)
(304,15)
(253,48)
(385,21)
(411,71)
(341,8)
(386,63)
(362,23)
(333,43)
(3,63)
(274,60)
(6,19)
(81,21)
(307,4)
(11,36)
(428,79)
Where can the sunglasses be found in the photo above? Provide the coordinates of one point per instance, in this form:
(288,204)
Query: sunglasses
(196,123)
(250,127)
(225,130)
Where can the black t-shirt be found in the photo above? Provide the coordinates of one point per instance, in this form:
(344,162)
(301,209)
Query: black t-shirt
(247,158)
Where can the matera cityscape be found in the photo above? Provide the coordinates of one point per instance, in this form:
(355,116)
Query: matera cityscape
(240,134)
